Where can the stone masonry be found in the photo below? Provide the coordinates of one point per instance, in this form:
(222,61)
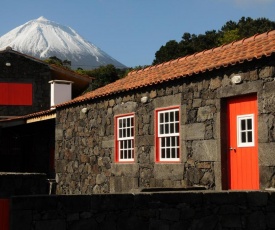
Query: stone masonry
(171,211)
(85,142)
(25,70)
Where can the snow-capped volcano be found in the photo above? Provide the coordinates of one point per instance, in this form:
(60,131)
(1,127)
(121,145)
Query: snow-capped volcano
(42,38)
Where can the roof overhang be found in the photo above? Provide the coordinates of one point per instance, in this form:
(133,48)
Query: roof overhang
(28,119)
(41,118)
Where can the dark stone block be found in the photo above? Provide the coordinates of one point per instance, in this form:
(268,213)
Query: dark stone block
(117,202)
(257,199)
(21,219)
(75,203)
(170,214)
(205,223)
(86,224)
(256,220)
(231,221)
(34,202)
(159,225)
(50,224)
(220,198)
(270,220)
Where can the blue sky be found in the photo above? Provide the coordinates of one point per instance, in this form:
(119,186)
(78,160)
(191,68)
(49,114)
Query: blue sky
(131,31)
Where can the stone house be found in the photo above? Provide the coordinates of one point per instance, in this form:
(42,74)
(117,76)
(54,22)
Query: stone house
(205,120)
(29,87)
(27,124)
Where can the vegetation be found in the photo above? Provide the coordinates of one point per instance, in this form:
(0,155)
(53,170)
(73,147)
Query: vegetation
(103,75)
(230,32)
(56,61)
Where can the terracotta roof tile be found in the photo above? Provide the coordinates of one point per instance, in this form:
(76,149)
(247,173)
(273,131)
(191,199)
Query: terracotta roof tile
(257,46)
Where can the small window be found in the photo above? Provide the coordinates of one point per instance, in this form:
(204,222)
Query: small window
(245,130)
(125,138)
(167,138)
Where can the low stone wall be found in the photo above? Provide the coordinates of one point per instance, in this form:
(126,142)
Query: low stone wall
(174,210)
(12,184)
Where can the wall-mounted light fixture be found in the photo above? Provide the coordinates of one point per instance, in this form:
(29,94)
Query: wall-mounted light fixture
(144,99)
(236,79)
(84,110)
(8,64)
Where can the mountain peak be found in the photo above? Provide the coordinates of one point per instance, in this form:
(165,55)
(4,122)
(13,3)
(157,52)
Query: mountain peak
(43,38)
(42,19)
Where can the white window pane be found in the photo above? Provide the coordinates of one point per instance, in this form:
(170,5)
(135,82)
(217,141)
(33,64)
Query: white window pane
(161,118)
(249,124)
(243,135)
(168,142)
(166,128)
(243,126)
(168,153)
(172,130)
(172,117)
(162,153)
(128,122)
(177,128)
(176,115)
(245,130)
(161,131)
(249,136)
(173,153)
(174,141)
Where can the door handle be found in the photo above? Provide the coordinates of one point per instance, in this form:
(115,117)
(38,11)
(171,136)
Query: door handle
(231,148)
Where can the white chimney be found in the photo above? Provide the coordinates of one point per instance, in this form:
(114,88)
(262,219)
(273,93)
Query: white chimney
(61,91)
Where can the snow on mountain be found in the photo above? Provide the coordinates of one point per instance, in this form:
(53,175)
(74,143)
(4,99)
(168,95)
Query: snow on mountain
(42,38)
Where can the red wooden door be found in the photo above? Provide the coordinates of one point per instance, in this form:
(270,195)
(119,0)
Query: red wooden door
(242,143)
(4,214)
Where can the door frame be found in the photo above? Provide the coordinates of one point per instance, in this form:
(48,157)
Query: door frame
(224,132)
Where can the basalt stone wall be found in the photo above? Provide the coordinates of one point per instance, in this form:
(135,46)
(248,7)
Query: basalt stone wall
(187,210)
(24,70)
(14,184)
(85,141)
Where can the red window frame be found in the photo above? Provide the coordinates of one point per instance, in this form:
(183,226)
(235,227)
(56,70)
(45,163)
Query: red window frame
(125,138)
(167,134)
(16,93)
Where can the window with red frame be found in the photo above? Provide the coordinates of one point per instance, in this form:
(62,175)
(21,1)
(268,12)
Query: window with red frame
(167,135)
(124,138)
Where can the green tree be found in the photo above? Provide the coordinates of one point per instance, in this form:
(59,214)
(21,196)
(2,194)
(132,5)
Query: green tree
(167,52)
(101,76)
(248,26)
(67,63)
(231,31)
(229,36)
(56,61)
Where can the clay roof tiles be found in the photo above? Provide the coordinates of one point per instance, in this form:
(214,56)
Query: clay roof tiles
(257,46)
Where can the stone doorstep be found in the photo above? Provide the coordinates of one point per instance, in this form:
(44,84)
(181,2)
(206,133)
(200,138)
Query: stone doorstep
(168,189)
